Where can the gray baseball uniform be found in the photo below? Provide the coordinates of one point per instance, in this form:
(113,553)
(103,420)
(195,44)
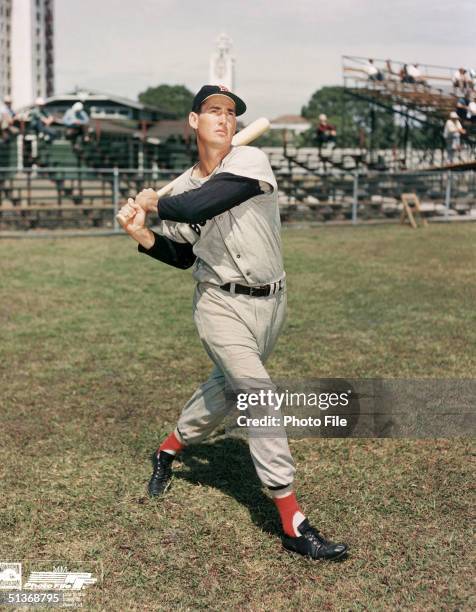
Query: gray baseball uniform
(239,246)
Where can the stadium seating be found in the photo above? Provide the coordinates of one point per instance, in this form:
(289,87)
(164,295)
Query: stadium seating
(433,101)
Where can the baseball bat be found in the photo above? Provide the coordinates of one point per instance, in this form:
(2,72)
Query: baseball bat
(243,137)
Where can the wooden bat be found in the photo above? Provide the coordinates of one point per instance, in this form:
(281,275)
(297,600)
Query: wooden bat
(245,136)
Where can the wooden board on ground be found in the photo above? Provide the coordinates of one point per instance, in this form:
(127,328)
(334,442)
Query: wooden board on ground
(412,210)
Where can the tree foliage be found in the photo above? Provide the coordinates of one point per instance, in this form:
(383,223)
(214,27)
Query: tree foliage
(176,99)
(352,117)
(361,123)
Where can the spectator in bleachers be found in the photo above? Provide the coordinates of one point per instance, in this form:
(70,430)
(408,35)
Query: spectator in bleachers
(372,71)
(472,78)
(76,119)
(325,132)
(415,75)
(471,112)
(41,121)
(389,68)
(462,79)
(462,107)
(8,120)
(452,135)
(403,74)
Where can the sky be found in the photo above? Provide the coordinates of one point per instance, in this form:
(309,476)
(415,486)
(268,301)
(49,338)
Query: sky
(284,49)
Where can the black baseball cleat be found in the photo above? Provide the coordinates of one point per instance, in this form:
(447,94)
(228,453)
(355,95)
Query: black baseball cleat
(162,475)
(312,544)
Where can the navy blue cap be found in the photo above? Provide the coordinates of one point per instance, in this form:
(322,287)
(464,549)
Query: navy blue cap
(212,90)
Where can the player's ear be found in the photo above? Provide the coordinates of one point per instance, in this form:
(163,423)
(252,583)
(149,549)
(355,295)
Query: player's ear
(193,120)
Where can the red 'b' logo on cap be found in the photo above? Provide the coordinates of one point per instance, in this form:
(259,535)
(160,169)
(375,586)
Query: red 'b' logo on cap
(223,88)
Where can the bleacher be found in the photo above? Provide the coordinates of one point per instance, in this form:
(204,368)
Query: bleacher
(72,197)
(430,102)
(55,184)
(311,189)
(58,185)
(374,195)
(69,198)
(327,182)
(336,160)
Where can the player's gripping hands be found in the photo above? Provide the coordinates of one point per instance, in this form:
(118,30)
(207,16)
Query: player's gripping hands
(148,200)
(132,217)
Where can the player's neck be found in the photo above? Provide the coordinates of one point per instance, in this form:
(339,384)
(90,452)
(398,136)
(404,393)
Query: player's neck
(209,159)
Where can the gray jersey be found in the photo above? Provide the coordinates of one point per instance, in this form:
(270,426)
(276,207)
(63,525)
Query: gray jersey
(243,244)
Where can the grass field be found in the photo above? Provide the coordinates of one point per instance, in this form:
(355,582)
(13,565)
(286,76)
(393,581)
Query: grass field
(98,355)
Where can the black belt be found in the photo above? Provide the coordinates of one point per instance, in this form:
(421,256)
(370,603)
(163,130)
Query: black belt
(261,291)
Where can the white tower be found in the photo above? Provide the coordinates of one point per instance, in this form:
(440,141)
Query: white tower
(222,63)
(30,50)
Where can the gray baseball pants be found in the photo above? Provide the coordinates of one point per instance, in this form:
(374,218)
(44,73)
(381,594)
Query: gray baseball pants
(238,333)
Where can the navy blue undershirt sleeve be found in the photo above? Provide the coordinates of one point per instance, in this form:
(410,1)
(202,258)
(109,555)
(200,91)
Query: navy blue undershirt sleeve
(220,193)
(177,254)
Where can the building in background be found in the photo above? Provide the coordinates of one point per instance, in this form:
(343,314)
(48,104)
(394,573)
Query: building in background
(5,46)
(222,63)
(108,107)
(26,50)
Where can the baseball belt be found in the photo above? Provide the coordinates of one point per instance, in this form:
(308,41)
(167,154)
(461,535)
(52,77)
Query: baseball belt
(261,291)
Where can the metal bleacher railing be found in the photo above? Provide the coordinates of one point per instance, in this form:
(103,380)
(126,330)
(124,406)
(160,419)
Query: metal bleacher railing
(438,78)
(373,195)
(106,145)
(52,198)
(55,185)
(428,99)
(62,183)
(72,198)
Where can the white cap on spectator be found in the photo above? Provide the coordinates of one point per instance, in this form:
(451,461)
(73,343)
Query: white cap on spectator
(453,115)
(40,101)
(78,106)
(7,99)
(323,117)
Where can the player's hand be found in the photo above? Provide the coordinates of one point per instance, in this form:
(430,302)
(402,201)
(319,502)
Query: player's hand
(148,199)
(131,217)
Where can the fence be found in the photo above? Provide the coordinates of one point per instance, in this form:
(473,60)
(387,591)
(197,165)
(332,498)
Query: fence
(53,198)
(337,160)
(70,198)
(107,146)
(375,195)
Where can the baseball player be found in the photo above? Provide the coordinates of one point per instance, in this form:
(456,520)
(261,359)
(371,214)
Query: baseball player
(223,217)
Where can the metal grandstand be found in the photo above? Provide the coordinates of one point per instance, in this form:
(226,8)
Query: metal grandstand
(57,185)
(427,103)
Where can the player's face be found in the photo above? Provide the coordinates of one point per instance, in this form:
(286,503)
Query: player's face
(216,122)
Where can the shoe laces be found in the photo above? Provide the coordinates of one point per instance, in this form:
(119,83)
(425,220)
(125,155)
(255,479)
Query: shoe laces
(162,471)
(314,536)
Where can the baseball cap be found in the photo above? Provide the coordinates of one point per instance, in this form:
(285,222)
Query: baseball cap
(78,106)
(453,115)
(212,90)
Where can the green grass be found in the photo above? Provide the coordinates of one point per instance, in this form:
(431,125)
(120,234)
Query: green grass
(98,354)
